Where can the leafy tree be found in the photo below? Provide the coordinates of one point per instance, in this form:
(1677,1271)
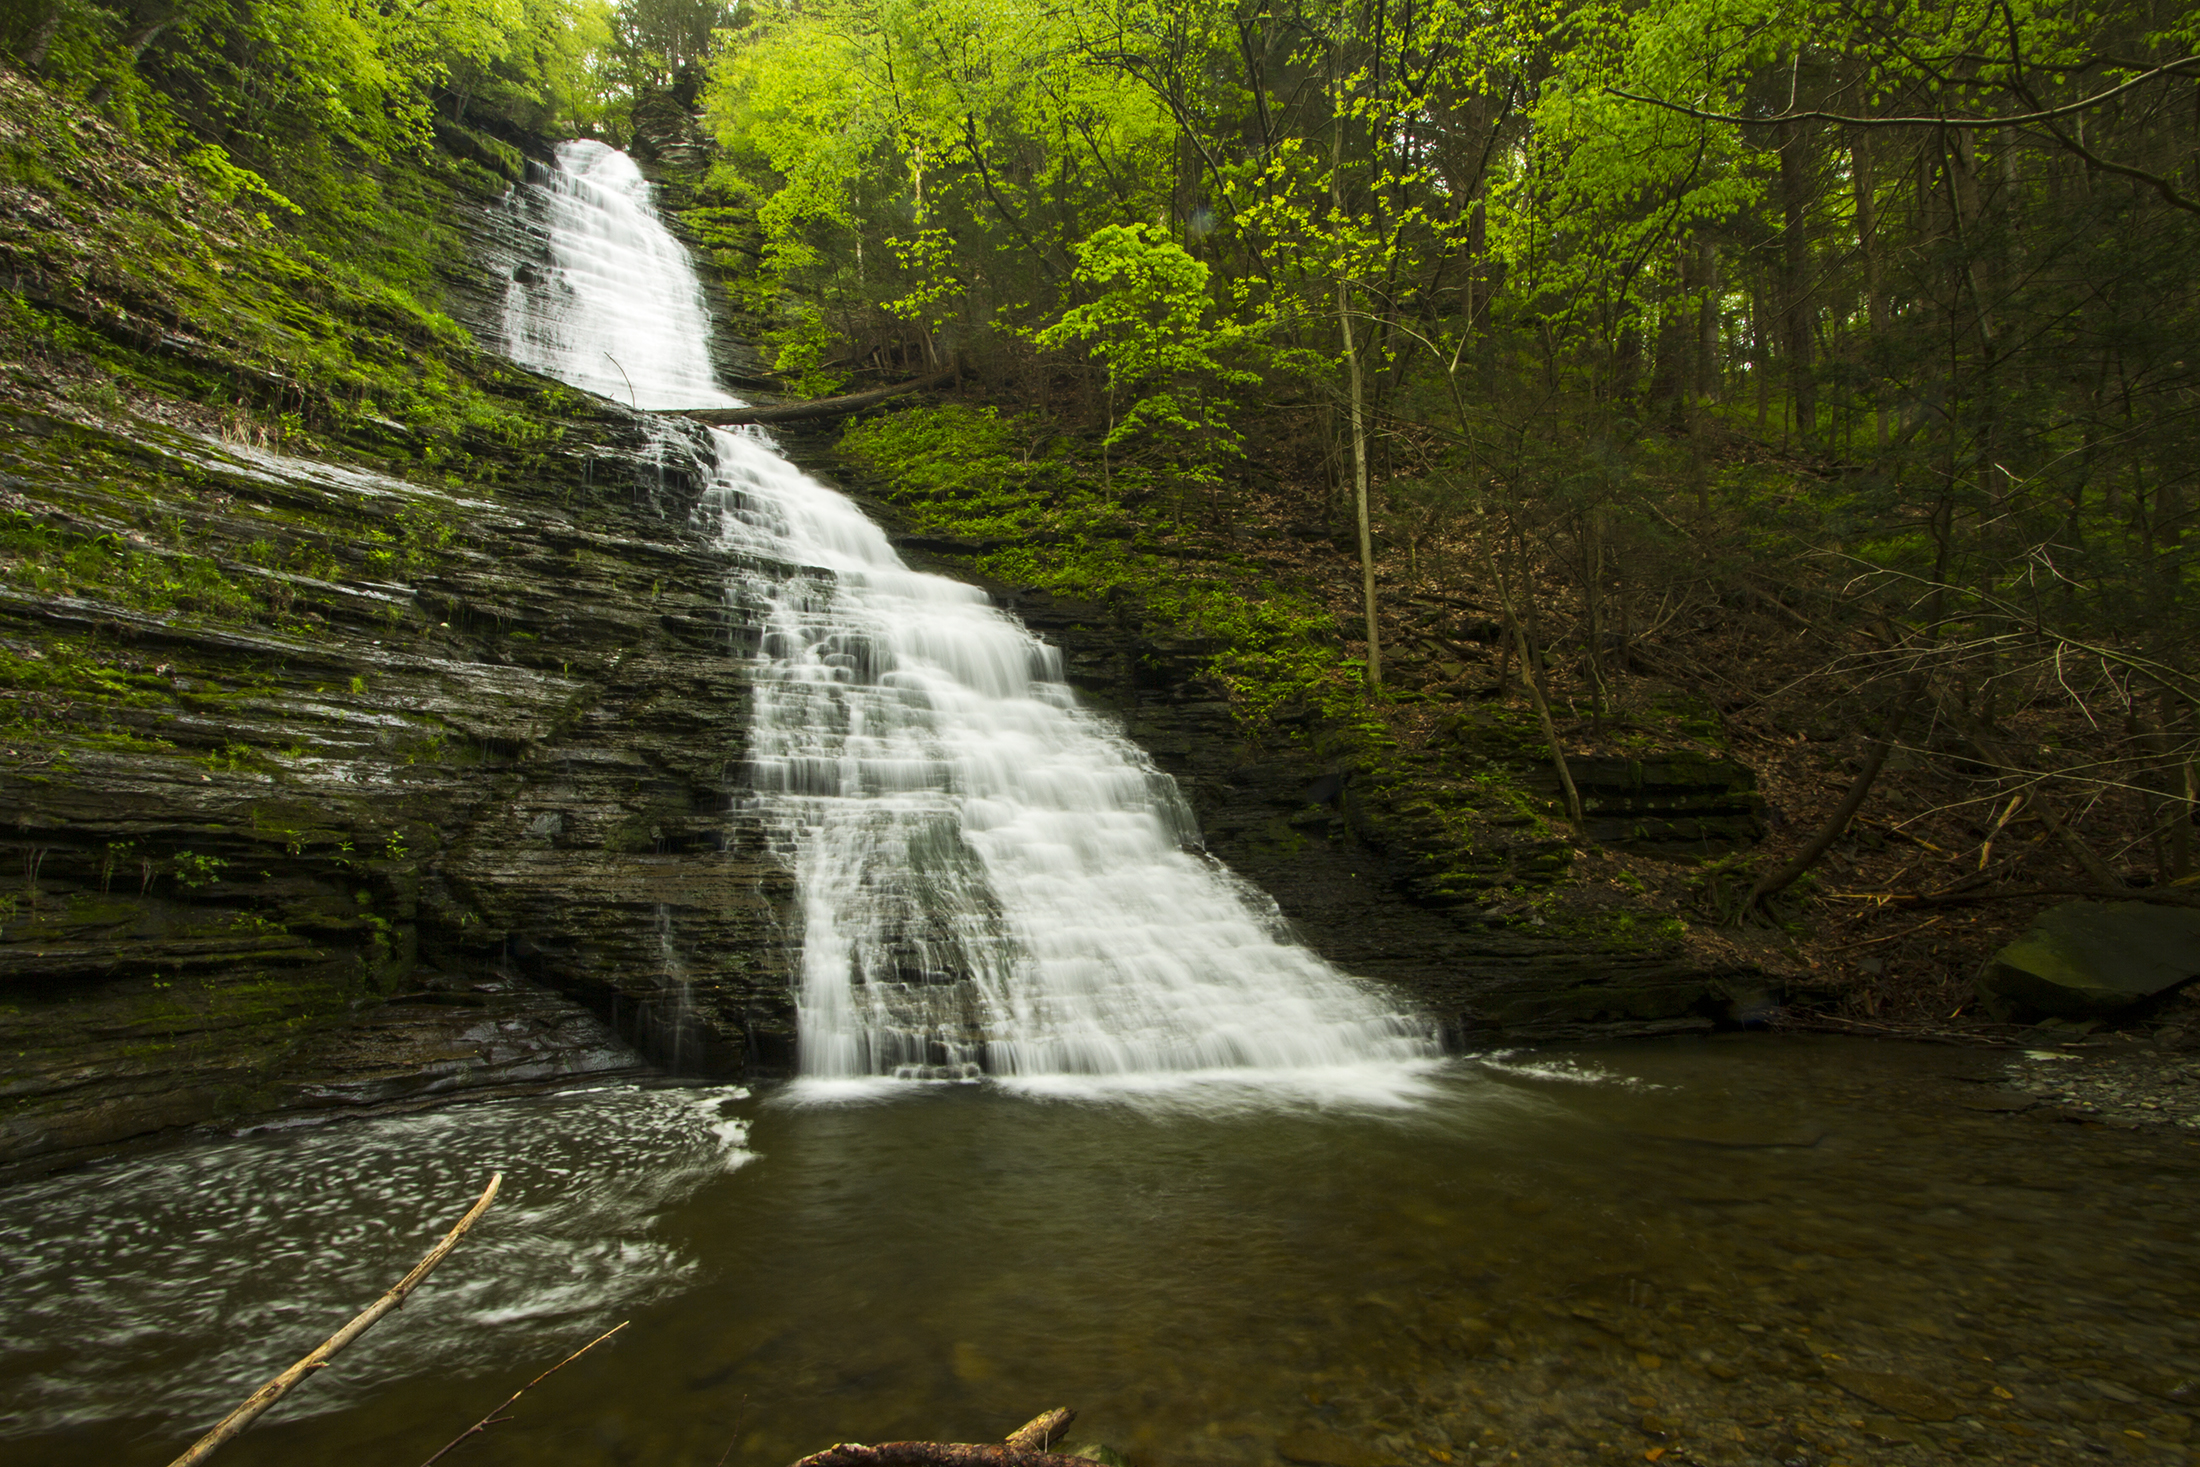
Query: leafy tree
(1168,361)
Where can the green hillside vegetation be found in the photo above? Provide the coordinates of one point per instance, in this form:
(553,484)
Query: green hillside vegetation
(1483,390)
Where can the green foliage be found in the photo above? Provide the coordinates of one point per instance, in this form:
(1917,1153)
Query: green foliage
(1151,322)
(972,474)
(799,351)
(195,872)
(892,145)
(52,561)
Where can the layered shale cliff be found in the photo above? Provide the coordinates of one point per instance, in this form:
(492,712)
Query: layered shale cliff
(372,712)
(358,743)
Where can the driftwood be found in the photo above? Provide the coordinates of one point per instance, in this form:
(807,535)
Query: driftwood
(267,1395)
(1026,1447)
(1042,1431)
(494,1417)
(821,407)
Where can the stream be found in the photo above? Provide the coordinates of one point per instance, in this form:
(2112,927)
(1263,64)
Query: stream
(1754,1249)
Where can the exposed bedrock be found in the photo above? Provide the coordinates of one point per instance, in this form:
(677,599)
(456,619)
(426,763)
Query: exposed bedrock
(448,806)
(352,790)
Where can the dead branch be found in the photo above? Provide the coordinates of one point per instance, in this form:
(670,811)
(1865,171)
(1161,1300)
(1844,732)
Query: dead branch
(2160,896)
(267,1395)
(1532,674)
(1838,822)
(822,407)
(1042,1431)
(1025,1447)
(494,1417)
(2174,68)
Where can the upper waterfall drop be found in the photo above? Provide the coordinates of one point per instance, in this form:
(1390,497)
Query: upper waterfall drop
(991,878)
(620,311)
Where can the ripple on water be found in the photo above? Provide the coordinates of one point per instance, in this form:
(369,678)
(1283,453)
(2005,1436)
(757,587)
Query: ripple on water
(1725,1252)
(160,1286)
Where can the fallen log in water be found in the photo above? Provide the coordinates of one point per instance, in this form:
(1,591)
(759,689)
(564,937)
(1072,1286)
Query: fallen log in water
(267,1395)
(822,407)
(1026,1447)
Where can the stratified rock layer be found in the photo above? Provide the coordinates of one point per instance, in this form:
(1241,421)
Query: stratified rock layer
(389,739)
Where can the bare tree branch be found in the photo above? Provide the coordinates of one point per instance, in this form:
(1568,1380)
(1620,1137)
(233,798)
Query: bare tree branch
(2173,68)
(267,1395)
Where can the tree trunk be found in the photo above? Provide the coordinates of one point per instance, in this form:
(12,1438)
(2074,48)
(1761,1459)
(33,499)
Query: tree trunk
(1867,243)
(1356,406)
(42,38)
(1707,320)
(1795,284)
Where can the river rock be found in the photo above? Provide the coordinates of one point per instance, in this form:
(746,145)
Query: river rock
(2091,959)
(1897,1393)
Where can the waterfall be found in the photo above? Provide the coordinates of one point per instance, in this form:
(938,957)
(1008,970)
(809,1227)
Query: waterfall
(991,878)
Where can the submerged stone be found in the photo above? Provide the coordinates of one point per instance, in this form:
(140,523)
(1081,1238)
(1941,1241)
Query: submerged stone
(1897,1393)
(2089,959)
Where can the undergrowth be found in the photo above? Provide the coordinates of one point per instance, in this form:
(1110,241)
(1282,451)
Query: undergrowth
(1042,515)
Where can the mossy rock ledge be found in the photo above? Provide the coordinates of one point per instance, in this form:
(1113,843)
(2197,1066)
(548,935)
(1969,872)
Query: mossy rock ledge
(454,811)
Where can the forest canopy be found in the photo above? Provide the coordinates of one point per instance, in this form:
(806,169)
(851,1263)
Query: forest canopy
(1660,295)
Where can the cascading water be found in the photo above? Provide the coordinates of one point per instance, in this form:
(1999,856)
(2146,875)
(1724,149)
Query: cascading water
(991,878)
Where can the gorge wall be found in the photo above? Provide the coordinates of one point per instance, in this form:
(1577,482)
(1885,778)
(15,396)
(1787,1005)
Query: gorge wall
(352,761)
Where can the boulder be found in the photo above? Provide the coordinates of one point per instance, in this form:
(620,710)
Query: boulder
(2092,959)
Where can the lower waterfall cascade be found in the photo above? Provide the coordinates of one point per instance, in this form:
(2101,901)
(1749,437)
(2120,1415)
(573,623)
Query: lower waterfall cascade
(991,879)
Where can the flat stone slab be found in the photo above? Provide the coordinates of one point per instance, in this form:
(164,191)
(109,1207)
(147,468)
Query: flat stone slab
(2092,959)
(1901,1394)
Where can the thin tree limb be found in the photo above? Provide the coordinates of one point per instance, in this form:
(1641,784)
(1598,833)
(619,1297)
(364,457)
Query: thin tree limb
(267,1395)
(1780,879)
(2173,68)
(493,1417)
(1531,674)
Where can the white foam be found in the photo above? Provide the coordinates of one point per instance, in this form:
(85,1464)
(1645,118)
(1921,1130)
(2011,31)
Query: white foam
(238,1255)
(990,879)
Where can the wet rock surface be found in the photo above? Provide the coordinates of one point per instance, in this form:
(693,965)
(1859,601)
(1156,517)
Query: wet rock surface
(487,731)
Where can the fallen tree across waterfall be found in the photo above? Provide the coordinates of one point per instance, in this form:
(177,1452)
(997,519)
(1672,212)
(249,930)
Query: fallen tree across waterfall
(820,407)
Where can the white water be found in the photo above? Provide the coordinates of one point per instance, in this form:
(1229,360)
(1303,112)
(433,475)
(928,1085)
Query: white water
(991,878)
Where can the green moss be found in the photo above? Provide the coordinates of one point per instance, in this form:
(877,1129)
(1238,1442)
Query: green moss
(1037,513)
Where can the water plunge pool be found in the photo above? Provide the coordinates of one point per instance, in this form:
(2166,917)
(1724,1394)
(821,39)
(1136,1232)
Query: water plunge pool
(1750,1250)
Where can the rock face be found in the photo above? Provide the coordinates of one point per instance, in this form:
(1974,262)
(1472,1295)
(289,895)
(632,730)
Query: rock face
(335,821)
(2092,960)
(1682,803)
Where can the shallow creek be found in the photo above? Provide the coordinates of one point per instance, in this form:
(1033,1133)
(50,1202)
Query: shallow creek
(1739,1250)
